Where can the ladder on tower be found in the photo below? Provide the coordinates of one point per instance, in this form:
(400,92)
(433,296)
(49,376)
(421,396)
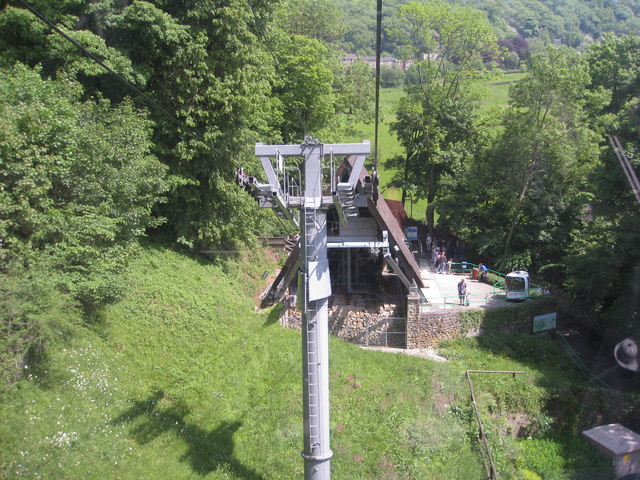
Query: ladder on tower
(313,385)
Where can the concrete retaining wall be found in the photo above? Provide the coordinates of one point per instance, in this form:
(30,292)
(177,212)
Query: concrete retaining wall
(429,329)
(418,330)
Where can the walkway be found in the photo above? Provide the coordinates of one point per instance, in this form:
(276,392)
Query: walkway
(441,290)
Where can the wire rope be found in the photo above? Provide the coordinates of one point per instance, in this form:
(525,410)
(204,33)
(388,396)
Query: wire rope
(581,366)
(119,77)
(378,48)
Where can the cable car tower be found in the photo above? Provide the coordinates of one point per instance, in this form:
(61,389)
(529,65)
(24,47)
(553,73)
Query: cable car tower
(310,187)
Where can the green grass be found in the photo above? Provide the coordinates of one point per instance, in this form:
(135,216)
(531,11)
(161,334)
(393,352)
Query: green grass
(183,378)
(497,90)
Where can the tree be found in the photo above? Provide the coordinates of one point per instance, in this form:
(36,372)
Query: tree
(524,193)
(354,87)
(546,135)
(306,88)
(609,237)
(391,76)
(77,185)
(321,20)
(210,64)
(614,64)
(449,44)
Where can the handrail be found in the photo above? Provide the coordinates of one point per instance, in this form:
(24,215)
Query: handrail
(464,267)
(479,298)
(492,473)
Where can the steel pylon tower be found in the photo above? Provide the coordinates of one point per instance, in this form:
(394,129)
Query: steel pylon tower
(311,192)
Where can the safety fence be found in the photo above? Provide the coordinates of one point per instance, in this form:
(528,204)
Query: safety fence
(382,339)
(364,331)
(498,294)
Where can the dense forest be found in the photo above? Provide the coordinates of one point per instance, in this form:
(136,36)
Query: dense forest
(92,162)
(517,23)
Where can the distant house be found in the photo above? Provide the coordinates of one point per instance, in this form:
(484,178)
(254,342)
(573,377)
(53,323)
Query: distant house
(349,58)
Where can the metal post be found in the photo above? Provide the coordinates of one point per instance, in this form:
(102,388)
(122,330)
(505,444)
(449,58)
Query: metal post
(349,287)
(366,330)
(315,329)
(314,283)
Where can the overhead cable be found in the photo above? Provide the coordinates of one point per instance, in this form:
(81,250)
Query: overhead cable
(115,74)
(627,168)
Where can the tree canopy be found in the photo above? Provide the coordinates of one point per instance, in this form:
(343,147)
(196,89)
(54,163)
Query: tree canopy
(449,45)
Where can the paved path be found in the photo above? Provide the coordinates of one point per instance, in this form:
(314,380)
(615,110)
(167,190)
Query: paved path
(441,290)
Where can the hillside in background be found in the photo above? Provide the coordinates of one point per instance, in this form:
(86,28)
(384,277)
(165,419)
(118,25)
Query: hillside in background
(518,23)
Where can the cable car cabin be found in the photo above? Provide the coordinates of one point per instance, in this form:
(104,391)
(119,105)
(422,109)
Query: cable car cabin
(516,285)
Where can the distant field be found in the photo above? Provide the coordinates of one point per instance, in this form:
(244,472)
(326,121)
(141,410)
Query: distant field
(494,93)
(498,89)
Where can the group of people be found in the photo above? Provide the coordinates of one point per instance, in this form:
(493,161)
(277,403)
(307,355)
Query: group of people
(440,261)
(455,247)
(442,264)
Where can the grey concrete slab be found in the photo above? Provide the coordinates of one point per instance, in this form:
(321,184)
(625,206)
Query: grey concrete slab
(614,439)
(441,290)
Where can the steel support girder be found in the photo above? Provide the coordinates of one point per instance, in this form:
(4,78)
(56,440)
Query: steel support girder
(315,355)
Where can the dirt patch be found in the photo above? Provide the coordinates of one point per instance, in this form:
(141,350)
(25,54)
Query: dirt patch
(441,400)
(518,424)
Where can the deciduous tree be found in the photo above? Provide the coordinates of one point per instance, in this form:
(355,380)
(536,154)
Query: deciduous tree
(78,182)
(449,44)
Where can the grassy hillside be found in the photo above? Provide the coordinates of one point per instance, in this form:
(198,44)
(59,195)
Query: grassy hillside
(183,378)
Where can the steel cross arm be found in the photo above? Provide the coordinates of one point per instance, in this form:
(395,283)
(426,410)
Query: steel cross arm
(357,244)
(357,168)
(272,178)
(300,150)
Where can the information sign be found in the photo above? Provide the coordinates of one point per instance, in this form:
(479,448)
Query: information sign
(544,322)
(411,233)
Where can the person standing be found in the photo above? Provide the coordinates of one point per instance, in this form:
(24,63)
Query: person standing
(443,263)
(482,272)
(462,292)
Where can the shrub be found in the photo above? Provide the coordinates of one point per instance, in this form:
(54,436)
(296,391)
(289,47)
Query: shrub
(77,185)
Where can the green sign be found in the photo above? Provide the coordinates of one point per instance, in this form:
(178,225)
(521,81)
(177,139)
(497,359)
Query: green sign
(544,322)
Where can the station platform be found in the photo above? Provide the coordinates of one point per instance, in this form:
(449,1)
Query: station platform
(441,290)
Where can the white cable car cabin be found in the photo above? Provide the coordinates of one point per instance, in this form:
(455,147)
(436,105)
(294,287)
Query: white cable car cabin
(516,285)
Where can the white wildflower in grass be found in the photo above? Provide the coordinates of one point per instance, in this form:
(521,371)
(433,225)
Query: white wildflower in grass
(62,439)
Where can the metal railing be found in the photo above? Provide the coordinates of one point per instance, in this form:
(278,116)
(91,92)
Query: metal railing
(498,293)
(381,339)
(366,337)
(449,301)
(485,450)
